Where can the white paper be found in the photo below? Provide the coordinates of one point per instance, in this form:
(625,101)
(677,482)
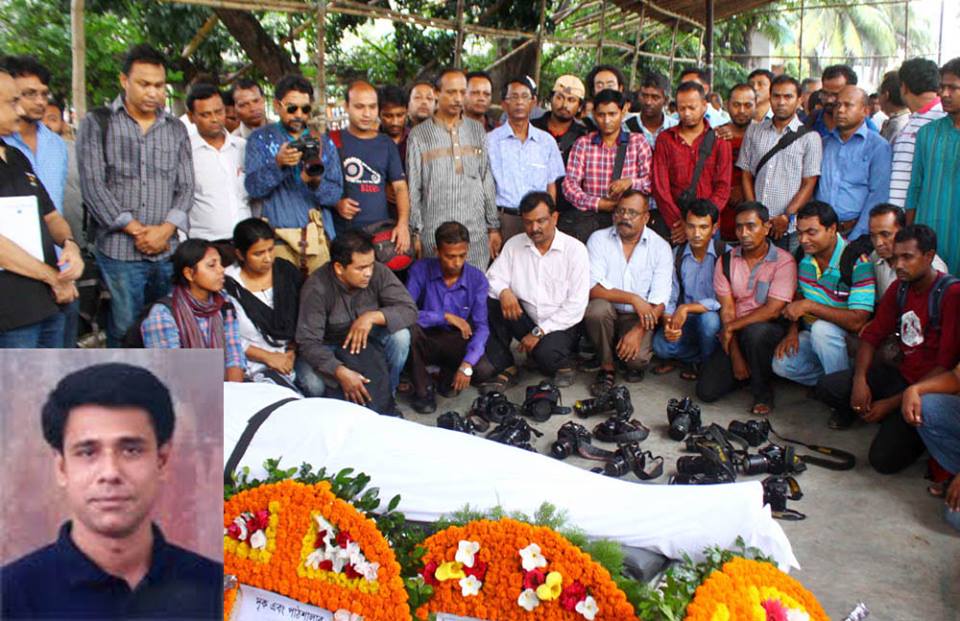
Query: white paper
(20,223)
(255,604)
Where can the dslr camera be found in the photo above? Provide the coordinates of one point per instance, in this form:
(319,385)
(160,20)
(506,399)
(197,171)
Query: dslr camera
(310,150)
(570,437)
(454,422)
(684,418)
(493,407)
(542,402)
(631,458)
(714,464)
(615,401)
(773,459)
(755,432)
(514,431)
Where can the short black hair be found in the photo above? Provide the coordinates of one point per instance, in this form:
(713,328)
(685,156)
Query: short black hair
(188,254)
(227,97)
(200,92)
(23,66)
(743,86)
(292,82)
(621,80)
(480,74)
(244,84)
(631,192)
(755,206)
(58,103)
(764,72)
(142,53)
(424,82)
(786,79)
(250,231)
(391,96)
(884,208)
(702,208)
(699,71)
(808,81)
(919,75)
(608,95)
(814,99)
(521,80)
(891,86)
(837,71)
(925,237)
(447,71)
(821,211)
(656,80)
(952,67)
(111,385)
(348,243)
(451,233)
(690,87)
(532,200)
(354,84)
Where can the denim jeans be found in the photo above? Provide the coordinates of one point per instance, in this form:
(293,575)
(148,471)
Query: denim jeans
(396,347)
(133,285)
(71,324)
(45,334)
(696,343)
(822,351)
(940,432)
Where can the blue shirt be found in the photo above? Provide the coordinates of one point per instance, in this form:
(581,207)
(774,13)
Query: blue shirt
(855,176)
(697,280)
(522,167)
(60,582)
(821,126)
(647,272)
(49,162)
(369,164)
(466,298)
(286,199)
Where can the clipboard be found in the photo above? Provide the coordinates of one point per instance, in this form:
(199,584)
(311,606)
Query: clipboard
(20,223)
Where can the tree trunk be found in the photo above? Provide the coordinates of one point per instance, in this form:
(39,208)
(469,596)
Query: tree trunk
(263,51)
(522,63)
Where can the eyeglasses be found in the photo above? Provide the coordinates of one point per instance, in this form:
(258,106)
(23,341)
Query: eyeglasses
(306,108)
(518,97)
(628,214)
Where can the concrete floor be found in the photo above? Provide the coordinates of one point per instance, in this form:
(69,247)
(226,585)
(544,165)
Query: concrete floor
(879,539)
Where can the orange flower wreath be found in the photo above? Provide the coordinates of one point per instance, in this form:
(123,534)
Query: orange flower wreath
(291,536)
(747,590)
(503,582)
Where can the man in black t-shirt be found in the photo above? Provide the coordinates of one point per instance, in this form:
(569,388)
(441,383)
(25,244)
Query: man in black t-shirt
(561,122)
(33,282)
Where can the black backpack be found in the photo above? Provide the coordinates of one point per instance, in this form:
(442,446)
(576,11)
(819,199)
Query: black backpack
(133,338)
(934,298)
(719,247)
(861,246)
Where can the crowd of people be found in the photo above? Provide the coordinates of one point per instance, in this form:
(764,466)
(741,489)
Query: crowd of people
(789,235)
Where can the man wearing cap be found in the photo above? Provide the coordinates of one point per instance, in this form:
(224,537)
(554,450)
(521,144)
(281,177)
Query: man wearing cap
(561,122)
(523,158)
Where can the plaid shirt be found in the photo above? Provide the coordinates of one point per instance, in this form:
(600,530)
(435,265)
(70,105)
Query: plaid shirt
(159,331)
(590,168)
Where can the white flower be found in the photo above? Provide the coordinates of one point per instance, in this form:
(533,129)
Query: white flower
(588,608)
(314,559)
(370,571)
(532,558)
(797,615)
(242,523)
(258,540)
(345,615)
(528,600)
(354,553)
(466,551)
(470,586)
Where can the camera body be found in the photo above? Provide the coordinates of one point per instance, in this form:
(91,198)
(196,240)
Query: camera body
(684,418)
(773,459)
(514,431)
(755,432)
(570,437)
(543,401)
(310,151)
(714,464)
(615,402)
(777,490)
(454,422)
(627,458)
(493,407)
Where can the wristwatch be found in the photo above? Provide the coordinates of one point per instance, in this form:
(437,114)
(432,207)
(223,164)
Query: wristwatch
(467,370)
(537,332)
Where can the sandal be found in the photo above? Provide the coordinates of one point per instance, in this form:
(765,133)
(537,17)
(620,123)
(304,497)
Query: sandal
(503,380)
(691,373)
(604,382)
(760,408)
(938,490)
(664,367)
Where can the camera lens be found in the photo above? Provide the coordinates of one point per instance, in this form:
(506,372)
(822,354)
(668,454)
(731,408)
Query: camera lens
(680,427)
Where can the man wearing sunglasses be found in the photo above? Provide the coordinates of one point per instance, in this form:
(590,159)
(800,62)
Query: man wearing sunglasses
(276,172)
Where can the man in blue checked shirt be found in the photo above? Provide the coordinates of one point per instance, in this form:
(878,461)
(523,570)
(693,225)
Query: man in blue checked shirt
(276,174)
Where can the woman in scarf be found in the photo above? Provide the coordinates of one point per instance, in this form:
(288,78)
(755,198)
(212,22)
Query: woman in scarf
(266,293)
(197,315)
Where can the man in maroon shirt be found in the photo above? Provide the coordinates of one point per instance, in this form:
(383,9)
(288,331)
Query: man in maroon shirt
(675,158)
(873,390)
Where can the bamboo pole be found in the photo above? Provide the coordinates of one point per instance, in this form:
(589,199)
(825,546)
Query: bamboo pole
(78,45)
(603,28)
(322,63)
(636,48)
(198,38)
(540,28)
(800,42)
(906,30)
(509,54)
(458,52)
(673,48)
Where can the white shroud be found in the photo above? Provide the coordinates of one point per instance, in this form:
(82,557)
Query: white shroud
(437,472)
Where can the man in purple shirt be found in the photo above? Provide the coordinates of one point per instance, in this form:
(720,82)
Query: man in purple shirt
(451,329)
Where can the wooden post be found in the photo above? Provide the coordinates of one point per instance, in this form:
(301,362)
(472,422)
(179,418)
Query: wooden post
(322,63)
(540,29)
(940,39)
(708,39)
(78,45)
(603,29)
(458,52)
(906,30)
(673,48)
(800,43)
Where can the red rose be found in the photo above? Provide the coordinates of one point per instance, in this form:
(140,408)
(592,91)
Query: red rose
(263,519)
(428,572)
(478,571)
(319,542)
(234,531)
(326,565)
(351,572)
(572,595)
(534,578)
(343,538)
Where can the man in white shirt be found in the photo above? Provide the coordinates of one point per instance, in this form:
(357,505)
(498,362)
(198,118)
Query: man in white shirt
(250,106)
(539,288)
(631,276)
(219,197)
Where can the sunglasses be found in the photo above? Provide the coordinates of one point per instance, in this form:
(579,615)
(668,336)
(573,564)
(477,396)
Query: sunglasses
(291,108)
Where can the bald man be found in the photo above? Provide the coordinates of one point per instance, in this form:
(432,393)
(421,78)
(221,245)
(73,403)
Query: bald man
(370,160)
(855,174)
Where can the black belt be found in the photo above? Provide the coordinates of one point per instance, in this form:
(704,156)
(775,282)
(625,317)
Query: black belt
(510,211)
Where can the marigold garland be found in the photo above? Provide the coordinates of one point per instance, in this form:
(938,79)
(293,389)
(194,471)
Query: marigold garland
(504,580)
(280,566)
(740,589)
(229,599)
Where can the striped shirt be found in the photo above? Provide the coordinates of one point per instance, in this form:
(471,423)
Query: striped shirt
(147,177)
(903,147)
(935,186)
(449,175)
(827,287)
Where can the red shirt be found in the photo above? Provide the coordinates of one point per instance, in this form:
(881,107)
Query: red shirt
(673,164)
(940,348)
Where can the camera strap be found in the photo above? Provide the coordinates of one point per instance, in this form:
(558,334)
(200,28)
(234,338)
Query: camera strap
(832,458)
(783,513)
(653,473)
(621,431)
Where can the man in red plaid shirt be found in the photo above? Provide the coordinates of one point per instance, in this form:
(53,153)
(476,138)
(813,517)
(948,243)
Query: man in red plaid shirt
(590,185)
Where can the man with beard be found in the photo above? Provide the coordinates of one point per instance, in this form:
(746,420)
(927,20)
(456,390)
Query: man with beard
(631,271)
(250,106)
(422,103)
(780,160)
(449,176)
(275,173)
(855,172)
(393,118)
(872,390)
(834,79)
(561,123)
(653,98)
(740,105)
